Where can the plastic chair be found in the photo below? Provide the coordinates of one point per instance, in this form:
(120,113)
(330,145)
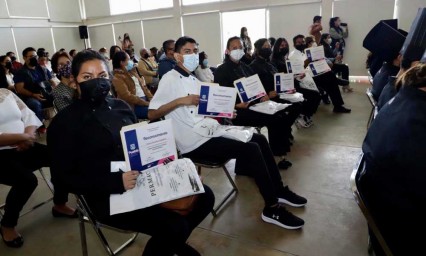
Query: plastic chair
(86,215)
(211,164)
(374,109)
(356,172)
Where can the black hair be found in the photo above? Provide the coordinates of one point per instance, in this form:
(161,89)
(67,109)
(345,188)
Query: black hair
(309,40)
(9,53)
(259,43)
(3,57)
(228,43)
(272,41)
(27,50)
(167,43)
(55,59)
(118,58)
(112,50)
(153,49)
(84,56)
(276,48)
(297,37)
(62,50)
(41,52)
(72,52)
(317,18)
(182,41)
(202,57)
(323,38)
(332,20)
(242,35)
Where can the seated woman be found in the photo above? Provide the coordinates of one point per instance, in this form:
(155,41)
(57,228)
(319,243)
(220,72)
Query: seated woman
(128,86)
(311,94)
(335,60)
(65,92)
(84,138)
(20,156)
(203,72)
(6,76)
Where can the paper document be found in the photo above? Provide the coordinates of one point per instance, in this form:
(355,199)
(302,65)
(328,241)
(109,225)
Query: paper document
(216,100)
(315,53)
(269,107)
(283,82)
(210,128)
(292,97)
(249,88)
(295,66)
(157,185)
(319,67)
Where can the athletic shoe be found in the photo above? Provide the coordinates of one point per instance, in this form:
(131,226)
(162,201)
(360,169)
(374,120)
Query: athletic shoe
(279,216)
(286,196)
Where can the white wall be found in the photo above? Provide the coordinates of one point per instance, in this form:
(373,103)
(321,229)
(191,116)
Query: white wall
(406,10)
(101,36)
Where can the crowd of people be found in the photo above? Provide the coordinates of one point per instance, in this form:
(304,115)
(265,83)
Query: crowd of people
(97,92)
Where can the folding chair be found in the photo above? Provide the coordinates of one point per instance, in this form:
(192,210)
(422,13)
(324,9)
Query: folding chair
(86,215)
(374,109)
(211,164)
(359,169)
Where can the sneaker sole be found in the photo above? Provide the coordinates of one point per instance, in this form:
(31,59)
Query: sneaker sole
(272,221)
(283,201)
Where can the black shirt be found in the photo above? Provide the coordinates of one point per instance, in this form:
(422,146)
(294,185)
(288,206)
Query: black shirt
(266,71)
(381,78)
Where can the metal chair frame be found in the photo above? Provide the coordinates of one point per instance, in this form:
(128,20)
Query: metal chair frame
(374,109)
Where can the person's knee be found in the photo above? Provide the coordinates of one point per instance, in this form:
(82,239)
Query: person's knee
(207,198)
(29,181)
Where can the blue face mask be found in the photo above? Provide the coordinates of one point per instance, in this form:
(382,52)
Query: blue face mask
(205,62)
(190,61)
(130,65)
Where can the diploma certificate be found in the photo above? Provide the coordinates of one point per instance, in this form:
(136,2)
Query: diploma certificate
(315,53)
(249,88)
(216,100)
(283,82)
(319,67)
(295,66)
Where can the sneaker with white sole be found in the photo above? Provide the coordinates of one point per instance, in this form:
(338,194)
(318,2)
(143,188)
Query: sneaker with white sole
(300,122)
(286,196)
(279,216)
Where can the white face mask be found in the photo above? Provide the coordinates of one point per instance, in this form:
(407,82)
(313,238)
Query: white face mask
(236,54)
(328,40)
(190,61)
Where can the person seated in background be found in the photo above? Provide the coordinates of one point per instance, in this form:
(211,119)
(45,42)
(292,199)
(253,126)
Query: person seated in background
(132,56)
(29,83)
(128,86)
(147,67)
(277,124)
(167,60)
(16,65)
(112,50)
(66,92)
(43,59)
(392,185)
(154,53)
(326,81)
(84,138)
(103,51)
(335,60)
(310,94)
(6,76)
(389,68)
(316,28)
(203,72)
(20,156)
(72,53)
(338,35)
(272,40)
(177,98)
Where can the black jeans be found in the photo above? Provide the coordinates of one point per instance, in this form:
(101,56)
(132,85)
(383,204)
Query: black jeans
(168,230)
(255,154)
(328,82)
(17,172)
(341,68)
(312,101)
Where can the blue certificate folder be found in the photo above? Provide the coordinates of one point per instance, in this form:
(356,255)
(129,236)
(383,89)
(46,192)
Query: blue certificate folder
(204,100)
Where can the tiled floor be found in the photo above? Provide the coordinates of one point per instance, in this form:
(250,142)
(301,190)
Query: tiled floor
(323,157)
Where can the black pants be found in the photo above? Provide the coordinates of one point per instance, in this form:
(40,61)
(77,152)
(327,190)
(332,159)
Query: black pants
(17,172)
(279,127)
(256,153)
(168,229)
(341,68)
(328,82)
(312,101)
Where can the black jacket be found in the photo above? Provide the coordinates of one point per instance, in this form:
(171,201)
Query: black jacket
(265,70)
(388,92)
(381,78)
(82,142)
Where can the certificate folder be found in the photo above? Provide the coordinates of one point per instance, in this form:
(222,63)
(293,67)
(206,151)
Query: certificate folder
(249,88)
(217,101)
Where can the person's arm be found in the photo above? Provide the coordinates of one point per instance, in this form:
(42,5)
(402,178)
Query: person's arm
(315,28)
(154,114)
(12,139)
(142,67)
(334,34)
(123,93)
(142,84)
(346,32)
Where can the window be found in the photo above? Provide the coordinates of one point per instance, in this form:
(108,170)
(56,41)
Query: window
(192,2)
(129,6)
(232,22)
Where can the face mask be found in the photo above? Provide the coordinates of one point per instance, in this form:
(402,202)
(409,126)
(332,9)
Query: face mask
(33,62)
(283,51)
(130,65)
(314,45)
(190,61)
(236,54)
(8,65)
(13,58)
(300,47)
(265,53)
(95,90)
(65,71)
(205,62)
(328,40)
(146,56)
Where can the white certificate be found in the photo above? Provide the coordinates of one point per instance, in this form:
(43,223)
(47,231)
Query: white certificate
(249,88)
(315,53)
(319,67)
(283,82)
(295,66)
(147,145)
(216,100)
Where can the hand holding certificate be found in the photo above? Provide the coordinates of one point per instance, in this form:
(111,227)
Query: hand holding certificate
(295,66)
(216,100)
(249,88)
(319,67)
(315,53)
(283,82)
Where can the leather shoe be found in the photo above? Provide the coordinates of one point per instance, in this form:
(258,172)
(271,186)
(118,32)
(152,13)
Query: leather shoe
(342,81)
(15,243)
(284,164)
(341,109)
(58,214)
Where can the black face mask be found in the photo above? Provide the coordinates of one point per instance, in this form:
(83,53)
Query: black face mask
(95,90)
(265,53)
(146,56)
(13,58)
(283,51)
(8,65)
(300,47)
(33,62)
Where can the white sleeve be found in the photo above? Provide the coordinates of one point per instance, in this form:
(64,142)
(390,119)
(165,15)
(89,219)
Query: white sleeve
(164,93)
(27,115)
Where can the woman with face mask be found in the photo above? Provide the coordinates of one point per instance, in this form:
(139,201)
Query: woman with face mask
(84,138)
(6,76)
(65,93)
(335,59)
(128,86)
(203,72)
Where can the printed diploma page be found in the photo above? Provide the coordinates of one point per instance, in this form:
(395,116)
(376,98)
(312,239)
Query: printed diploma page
(249,88)
(216,100)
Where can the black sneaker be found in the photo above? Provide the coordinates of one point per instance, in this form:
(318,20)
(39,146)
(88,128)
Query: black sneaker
(341,109)
(279,216)
(284,164)
(187,250)
(286,196)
